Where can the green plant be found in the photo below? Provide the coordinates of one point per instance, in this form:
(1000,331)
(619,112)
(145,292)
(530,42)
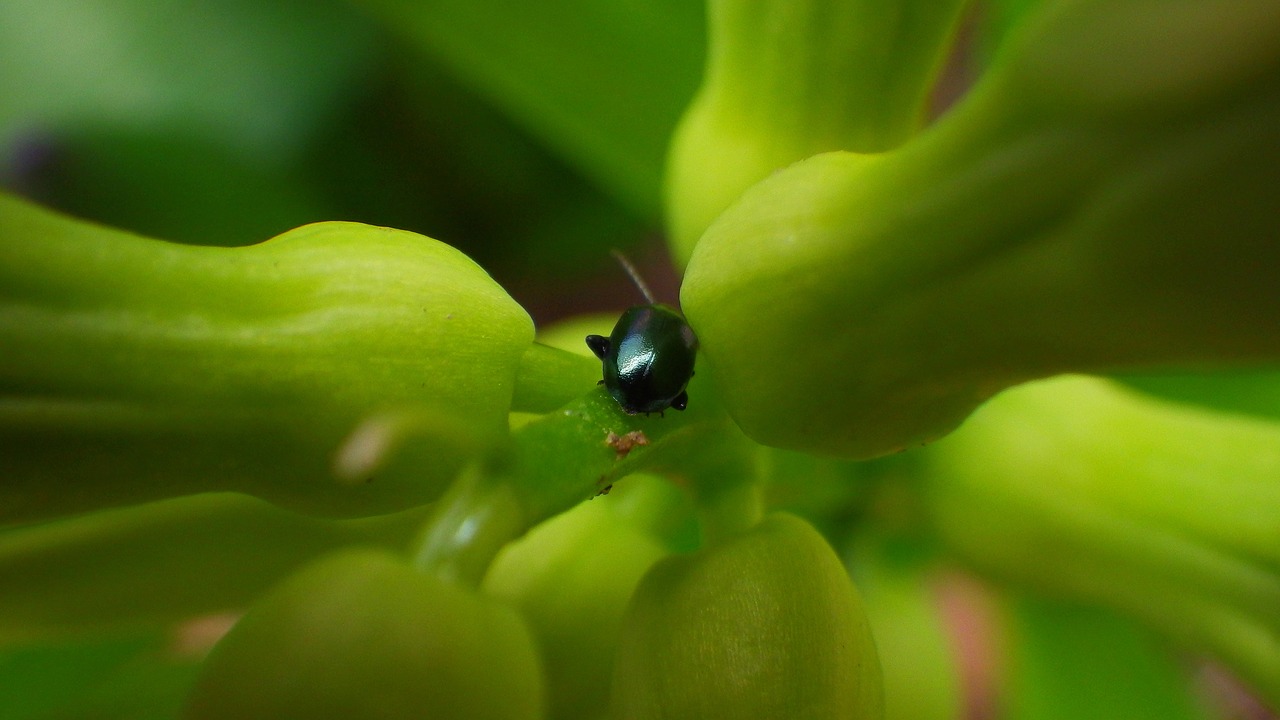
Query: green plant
(351,433)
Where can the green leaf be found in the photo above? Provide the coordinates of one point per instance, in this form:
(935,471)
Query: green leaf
(1103,200)
(604,83)
(1072,662)
(164,562)
(363,364)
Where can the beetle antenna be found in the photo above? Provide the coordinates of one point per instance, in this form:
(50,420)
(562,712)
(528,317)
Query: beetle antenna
(635,276)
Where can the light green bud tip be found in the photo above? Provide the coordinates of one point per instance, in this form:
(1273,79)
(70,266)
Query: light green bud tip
(786,79)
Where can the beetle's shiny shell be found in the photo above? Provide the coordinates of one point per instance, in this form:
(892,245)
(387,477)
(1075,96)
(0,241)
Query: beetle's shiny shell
(649,359)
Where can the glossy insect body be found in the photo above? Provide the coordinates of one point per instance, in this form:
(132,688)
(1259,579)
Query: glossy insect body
(648,360)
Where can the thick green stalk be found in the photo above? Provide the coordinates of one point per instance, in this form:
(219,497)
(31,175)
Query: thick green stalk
(786,79)
(1105,199)
(340,368)
(1079,489)
(562,458)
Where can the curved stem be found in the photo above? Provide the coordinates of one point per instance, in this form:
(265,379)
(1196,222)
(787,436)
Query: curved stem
(473,521)
(575,453)
(571,455)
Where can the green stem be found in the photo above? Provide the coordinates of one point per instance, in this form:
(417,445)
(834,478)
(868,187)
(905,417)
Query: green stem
(566,456)
(562,458)
(550,377)
(474,520)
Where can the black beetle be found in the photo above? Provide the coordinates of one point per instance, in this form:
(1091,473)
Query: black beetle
(648,359)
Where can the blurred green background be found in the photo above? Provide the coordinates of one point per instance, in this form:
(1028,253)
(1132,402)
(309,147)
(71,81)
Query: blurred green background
(531,136)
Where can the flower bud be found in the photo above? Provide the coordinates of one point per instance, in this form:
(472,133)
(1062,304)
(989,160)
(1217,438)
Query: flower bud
(571,578)
(763,624)
(303,369)
(857,305)
(362,635)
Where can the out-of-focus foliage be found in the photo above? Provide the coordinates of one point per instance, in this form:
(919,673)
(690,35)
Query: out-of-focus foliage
(228,125)
(184,426)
